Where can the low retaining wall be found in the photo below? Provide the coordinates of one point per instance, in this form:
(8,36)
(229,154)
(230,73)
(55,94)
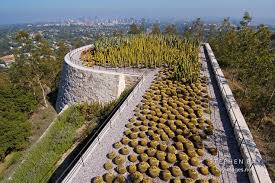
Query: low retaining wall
(83,154)
(87,84)
(254,163)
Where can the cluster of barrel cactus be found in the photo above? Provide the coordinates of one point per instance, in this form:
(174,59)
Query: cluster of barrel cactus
(146,51)
(164,138)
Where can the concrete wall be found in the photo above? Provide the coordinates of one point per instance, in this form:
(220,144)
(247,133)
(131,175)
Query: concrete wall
(254,163)
(85,84)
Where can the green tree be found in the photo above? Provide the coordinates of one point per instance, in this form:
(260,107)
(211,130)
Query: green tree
(156,29)
(170,30)
(195,31)
(246,53)
(134,29)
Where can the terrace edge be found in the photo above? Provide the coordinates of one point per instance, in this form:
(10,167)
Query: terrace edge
(253,161)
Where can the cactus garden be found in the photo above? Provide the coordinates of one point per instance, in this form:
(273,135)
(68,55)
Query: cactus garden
(164,140)
(146,51)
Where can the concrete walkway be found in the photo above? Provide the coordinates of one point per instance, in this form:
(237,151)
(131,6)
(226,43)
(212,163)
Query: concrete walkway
(93,164)
(229,156)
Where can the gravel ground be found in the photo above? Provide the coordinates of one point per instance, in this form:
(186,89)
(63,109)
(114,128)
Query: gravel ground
(223,138)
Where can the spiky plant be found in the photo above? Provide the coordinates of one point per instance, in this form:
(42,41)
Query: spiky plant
(154,171)
(111,155)
(120,179)
(108,166)
(98,179)
(109,177)
(121,169)
(132,168)
(137,177)
(192,173)
(143,166)
(215,171)
(171,158)
(176,171)
(124,151)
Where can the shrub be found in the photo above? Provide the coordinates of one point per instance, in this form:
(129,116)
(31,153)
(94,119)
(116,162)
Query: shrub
(154,171)
(176,171)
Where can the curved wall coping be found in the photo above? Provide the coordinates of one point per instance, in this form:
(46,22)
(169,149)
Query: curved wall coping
(73,59)
(253,161)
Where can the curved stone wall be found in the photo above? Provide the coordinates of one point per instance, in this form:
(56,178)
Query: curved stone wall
(86,84)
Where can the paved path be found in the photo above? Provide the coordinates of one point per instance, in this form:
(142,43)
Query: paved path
(93,164)
(224,139)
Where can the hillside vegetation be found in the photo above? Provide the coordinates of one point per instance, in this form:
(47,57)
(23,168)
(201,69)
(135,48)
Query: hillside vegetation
(246,57)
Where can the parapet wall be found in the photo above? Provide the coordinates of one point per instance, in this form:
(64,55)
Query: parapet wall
(87,84)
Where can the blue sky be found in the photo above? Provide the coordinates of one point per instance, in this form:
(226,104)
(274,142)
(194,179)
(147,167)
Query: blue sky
(18,11)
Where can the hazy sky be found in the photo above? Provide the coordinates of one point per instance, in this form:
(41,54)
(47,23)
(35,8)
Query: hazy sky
(18,11)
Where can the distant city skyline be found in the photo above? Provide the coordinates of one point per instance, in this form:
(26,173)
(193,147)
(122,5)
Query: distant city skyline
(30,11)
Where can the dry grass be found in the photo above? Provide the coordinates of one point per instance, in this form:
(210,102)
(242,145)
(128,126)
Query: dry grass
(264,135)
